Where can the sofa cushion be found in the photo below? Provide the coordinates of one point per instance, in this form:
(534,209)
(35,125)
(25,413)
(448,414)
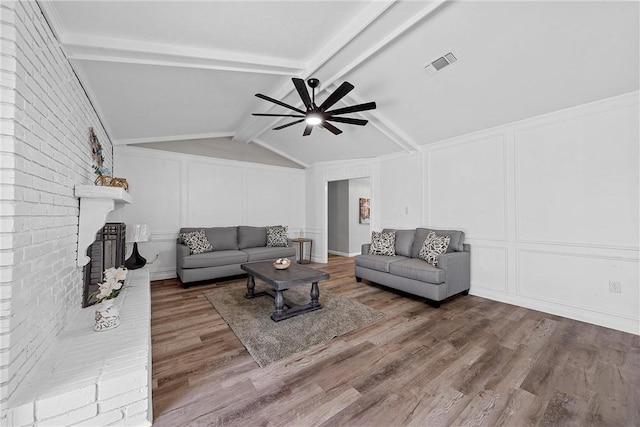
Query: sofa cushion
(404,241)
(214,259)
(277,236)
(223,238)
(378,262)
(264,253)
(197,242)
(251,237)
(433,246)
(383,243)
(417,269)
(456,243)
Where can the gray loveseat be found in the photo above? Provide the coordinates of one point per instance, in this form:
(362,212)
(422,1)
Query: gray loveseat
(232,246)
(408,273)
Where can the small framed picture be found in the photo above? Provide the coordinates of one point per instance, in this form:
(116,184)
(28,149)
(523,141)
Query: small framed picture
(365,211)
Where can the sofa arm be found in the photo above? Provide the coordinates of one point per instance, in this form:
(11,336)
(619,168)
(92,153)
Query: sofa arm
(365,248)
(457,268)
(181,252)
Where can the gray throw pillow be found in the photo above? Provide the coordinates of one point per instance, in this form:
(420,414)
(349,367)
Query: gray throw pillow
(433,247)
(383,243)
(456,240)
(197,242)
(277,236)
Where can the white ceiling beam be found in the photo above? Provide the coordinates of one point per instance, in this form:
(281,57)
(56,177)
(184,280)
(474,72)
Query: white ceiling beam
(91,48)
(144,140)
(366,17)
(408,24)
(400,138)
(83,47)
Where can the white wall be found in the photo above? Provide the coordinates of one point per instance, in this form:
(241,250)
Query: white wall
(45,119)
(358,233)
(549,205)
(318,176)
(173,190)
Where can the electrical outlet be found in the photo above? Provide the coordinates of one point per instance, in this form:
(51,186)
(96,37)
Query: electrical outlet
(615,286)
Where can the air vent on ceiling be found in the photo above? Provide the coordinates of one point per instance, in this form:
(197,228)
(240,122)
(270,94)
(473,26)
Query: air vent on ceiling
(440,63)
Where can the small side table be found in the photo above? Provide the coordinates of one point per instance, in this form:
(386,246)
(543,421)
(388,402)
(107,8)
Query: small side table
(302,241)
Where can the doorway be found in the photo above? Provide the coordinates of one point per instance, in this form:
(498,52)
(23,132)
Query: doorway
(348,215)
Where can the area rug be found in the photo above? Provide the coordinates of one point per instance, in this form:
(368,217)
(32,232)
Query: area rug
(268,341)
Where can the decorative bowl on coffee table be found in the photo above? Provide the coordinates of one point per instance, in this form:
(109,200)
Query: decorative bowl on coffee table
(282,263)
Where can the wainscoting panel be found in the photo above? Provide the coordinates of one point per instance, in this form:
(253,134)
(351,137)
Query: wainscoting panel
(214,195)
(467,188)
(401,191)
(164,267)
(154,184)
(577,180)
(580,281)
(489,268)
(274,197)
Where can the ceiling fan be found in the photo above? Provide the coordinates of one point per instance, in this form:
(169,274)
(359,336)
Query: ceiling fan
(319,115)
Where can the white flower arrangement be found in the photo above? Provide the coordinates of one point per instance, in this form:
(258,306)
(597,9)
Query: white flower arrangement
(112,284)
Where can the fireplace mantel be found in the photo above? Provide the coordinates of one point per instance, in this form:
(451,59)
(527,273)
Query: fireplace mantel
(95,203)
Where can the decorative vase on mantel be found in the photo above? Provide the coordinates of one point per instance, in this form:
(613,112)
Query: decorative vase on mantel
(107,316)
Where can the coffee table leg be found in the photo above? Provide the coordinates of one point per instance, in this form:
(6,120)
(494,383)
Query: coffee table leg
(279,301)
(315,294)
(251,284)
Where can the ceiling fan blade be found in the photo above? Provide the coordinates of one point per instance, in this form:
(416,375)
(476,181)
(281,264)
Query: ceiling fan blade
(331,128)
(348,120)
(288,124)
(275,101)
(353,109)
(276,115)
(301,87)
(337,95)
(307,130)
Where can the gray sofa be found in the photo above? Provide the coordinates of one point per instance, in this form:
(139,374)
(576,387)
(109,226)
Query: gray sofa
(232,246)
(408,273)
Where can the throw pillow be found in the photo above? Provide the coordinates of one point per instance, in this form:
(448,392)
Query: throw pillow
(383,243)
(197,242)
(277,236)
(433,247)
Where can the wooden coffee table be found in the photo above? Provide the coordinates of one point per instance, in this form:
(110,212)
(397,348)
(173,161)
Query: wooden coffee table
(280,281)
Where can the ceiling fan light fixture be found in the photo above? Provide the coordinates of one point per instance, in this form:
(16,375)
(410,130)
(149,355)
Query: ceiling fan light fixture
(318,115)
(313,119)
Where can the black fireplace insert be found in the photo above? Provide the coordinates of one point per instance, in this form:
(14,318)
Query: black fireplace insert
(107,251)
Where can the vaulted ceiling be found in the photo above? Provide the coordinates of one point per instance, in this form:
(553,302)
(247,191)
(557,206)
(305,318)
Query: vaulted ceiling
(175,75)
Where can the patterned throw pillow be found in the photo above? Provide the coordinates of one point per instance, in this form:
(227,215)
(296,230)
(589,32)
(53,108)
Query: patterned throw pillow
(433,246)
(197,242)
(277,236)
(383,243)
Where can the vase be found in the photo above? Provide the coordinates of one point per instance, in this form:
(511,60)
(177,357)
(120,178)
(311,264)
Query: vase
(107,316)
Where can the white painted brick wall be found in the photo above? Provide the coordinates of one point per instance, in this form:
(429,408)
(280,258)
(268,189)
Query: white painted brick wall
(44,125)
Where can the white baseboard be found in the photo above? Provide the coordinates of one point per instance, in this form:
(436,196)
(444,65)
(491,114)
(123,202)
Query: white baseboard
(163,274)
(343,253)
(624,324)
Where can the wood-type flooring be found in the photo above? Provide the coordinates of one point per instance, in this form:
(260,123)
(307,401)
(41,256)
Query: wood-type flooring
(471,362)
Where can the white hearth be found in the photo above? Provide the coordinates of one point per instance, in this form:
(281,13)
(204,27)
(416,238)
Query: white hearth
(94,378)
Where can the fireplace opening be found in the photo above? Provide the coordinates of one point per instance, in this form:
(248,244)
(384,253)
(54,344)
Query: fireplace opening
(108,250)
